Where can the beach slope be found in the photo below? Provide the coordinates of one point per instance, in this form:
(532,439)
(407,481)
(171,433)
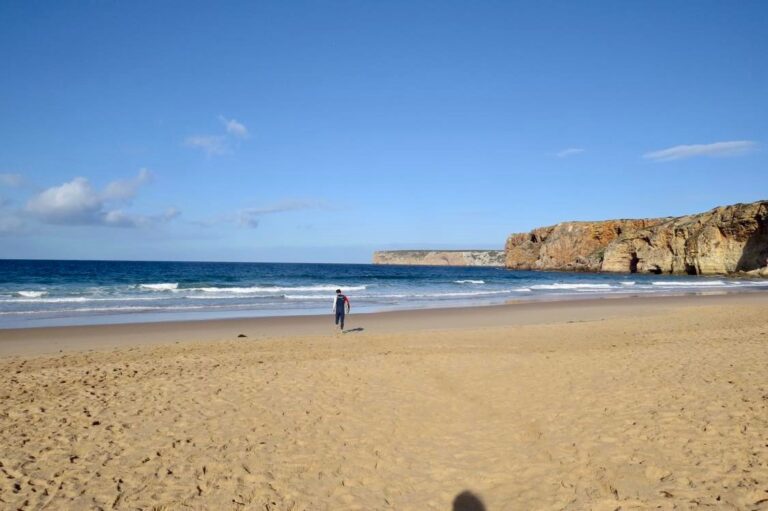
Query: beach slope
(660,405)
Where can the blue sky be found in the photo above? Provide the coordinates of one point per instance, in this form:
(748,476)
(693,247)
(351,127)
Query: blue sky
(320,131)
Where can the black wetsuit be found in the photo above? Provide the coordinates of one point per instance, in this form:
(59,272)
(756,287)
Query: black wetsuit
(339,308)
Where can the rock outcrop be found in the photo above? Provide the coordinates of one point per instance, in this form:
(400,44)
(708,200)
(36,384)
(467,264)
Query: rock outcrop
(440,257)
(569,246)
(725,240)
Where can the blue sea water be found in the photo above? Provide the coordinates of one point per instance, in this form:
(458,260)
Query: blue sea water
(45,293)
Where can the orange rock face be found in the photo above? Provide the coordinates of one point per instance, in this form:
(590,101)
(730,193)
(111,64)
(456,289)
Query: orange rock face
(724,240)
(570,246)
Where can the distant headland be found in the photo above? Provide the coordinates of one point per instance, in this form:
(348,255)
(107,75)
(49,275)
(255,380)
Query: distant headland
(440,257)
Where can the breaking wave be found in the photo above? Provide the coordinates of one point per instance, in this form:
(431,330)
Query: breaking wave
(707,283)
(246,290)
(81,299)
(160,287)
(406,295)
(571,286)
(32,294)
(271,289)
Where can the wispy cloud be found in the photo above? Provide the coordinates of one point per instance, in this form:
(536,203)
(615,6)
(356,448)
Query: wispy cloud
(716,149)
(126,189)
(571,151)
(210,144)
(219,144)
(250,217)
(76,202)
(11,180)
(234,128)
(10,224)
(117,218)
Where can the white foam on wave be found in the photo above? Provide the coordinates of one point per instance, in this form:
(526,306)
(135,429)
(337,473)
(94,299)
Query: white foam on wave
(81,309)
(81,299)
(627,283)
(270,289)
(450,294)
(469,281)
(32,294)
(466,293)
(405,295)
(236,296)
(50,300)
(571,286)
(166,286)
(706,283)
(222,290)
(125,309)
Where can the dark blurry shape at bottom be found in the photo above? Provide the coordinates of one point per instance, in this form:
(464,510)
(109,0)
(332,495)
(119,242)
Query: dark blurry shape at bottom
(468,501)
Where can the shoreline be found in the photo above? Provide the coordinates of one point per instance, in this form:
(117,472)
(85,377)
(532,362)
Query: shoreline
(59,294)
(55,339)
(170,316)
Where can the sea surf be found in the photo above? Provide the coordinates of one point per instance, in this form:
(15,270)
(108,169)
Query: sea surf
(54,293)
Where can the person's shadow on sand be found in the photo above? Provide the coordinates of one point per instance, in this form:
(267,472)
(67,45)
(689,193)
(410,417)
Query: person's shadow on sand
(353,330)
(468,501)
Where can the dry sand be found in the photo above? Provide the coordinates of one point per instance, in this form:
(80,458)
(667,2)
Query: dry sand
(622,404)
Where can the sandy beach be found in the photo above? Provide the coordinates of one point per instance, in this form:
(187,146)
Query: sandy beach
(634,403)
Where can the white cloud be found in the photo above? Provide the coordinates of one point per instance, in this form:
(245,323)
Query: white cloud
(210,144)
(77,203)
(571,151)
(126,189)
(679,152)
(74,202)
(234,128)
(11,179)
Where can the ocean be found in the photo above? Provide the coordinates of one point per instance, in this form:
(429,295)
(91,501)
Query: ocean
(55,293)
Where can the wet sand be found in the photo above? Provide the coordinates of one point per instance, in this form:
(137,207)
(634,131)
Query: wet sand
(50,340)
(642,403)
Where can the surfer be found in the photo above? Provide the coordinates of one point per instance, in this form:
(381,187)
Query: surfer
(340,308)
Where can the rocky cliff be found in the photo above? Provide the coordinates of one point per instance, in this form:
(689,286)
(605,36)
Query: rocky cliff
(440,257)
(724,240)
(570,246)
(727,239)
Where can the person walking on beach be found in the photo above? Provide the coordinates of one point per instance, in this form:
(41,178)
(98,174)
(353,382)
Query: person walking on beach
(340,308)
